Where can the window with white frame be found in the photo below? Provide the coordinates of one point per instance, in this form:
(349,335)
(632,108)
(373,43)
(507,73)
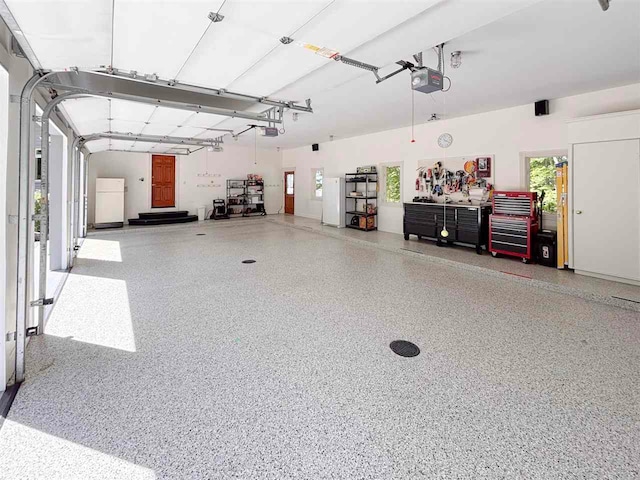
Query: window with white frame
(317,179)
(541,178)
(392,183)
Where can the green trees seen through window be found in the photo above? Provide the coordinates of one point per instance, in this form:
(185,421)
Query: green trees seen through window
(392,184)
(542,178)
(318,183)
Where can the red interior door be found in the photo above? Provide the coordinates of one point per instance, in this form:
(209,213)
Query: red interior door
(289,192)
(163,181)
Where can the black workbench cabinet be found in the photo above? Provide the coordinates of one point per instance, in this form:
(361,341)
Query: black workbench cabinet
(466,224)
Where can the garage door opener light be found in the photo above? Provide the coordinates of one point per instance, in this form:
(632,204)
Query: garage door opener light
(456,59)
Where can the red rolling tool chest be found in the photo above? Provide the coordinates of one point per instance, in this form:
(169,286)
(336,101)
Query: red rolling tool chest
(513,224)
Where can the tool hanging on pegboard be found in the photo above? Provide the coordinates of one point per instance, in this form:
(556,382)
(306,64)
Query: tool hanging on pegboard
(439,181)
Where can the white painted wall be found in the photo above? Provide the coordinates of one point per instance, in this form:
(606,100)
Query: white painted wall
(507,134)
(58,199)
(235,162)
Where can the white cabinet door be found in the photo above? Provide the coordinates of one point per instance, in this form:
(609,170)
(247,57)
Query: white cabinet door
(606,208)
(331,214)
(109,184)
(109,207)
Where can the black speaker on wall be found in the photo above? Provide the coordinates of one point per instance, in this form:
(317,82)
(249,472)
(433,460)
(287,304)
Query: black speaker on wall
(315,147)
(542,108)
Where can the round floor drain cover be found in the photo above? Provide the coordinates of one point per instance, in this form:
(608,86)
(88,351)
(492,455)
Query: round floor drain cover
(248,261)
(404,348)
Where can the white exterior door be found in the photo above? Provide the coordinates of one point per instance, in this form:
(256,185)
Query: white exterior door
(606,208)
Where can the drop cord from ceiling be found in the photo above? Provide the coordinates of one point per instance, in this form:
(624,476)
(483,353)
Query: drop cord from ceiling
(413,115)
(440,52)
(444,232)
(255,146)
(113,22)
(110,117)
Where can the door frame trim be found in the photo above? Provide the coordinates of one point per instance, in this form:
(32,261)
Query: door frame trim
(282,170)
(524,164)
(525,180)
(176,184)
(571,173)
(284,189)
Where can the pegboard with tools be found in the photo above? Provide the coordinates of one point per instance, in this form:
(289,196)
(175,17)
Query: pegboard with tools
(455,180)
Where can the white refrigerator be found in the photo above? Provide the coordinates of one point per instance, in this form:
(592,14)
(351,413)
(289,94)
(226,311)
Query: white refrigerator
(109,202)
(333,202)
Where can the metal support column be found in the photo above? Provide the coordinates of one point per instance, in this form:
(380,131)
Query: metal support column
(25,226)
(71,236)
(77,183)
(44,219)
(85,206)
(76,196)
(42,300)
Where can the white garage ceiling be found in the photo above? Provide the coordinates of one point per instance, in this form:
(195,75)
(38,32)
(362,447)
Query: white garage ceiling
(96,115)
(552,49)
(514,52)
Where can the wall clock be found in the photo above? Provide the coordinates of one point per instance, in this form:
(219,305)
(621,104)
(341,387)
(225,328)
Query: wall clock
(445,140)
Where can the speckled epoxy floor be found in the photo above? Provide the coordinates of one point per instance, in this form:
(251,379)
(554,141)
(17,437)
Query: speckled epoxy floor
(165,357)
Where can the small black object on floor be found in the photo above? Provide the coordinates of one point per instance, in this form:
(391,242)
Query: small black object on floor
(219,210)
(248,261)
(200,234)
(404,348)
(163,218)
(547,248)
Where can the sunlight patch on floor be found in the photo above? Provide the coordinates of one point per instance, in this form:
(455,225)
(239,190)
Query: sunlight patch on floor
(94,310)
(105,250)
(26,450)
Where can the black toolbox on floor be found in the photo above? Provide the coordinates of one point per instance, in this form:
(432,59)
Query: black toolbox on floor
(546,248)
